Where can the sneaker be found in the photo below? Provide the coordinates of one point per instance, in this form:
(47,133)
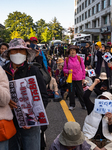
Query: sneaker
(71,108)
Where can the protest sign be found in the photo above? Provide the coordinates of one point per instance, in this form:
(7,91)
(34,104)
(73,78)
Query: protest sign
(91,73)
(107,56)
(30,109)
(82,55)
(103,106)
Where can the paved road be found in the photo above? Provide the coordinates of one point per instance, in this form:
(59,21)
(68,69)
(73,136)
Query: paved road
(57,118)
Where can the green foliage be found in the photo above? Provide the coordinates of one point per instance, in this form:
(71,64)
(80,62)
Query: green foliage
(45,36)
(19,22)
(5,35)
(21,25)
(32,33)
(56,29)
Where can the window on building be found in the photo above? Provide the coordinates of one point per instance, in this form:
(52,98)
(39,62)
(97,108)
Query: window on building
(93,0)
(86,15)
(98,7)
(105,19)
(89,12)
(76,30)
(89,2)
(77,20)
(103,4)
(93,10)
(109,2)
(85,3)
(86,25)
(98,22)
(82,6)
(80,28)
(82,17)
(77,10)
(94,23)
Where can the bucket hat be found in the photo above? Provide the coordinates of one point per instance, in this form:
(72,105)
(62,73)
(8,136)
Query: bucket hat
(18,43)
(72,47)
(106,94)
(103,76)
(71,134)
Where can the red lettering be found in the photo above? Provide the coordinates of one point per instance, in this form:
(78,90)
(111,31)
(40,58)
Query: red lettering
(34,92)
(41,114)
(42,120)
(31,81)
(32,87)
(36,98)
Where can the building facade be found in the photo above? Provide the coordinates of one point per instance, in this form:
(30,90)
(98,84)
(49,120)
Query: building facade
(93,17)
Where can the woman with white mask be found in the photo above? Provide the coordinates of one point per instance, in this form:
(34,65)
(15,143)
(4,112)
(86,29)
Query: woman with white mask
(19,54)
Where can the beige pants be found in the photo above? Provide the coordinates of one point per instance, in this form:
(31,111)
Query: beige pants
(108,146)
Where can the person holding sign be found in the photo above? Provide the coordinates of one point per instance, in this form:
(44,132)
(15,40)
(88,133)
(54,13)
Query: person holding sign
(97,127)
(19,54)
(74,64)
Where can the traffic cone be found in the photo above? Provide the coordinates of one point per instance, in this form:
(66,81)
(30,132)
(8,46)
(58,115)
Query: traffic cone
(69,79)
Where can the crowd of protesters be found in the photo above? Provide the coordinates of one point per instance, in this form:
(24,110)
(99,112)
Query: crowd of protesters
(23,58)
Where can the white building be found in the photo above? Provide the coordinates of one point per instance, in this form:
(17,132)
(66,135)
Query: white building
(93,17)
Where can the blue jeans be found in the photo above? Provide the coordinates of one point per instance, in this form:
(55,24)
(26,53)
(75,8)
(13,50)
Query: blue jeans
(4,145)
(28,139)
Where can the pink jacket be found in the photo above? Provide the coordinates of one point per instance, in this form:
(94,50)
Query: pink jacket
(77,67)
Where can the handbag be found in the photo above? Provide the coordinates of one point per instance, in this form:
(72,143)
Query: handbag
(7,130)
(99,142)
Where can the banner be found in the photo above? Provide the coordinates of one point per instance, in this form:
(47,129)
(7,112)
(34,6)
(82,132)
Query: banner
(91,73)
(30,109)
(103,106)
(82,55)
(107,56)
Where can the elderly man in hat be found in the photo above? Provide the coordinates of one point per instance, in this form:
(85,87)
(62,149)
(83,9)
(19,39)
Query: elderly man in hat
(19,55)
(71,138)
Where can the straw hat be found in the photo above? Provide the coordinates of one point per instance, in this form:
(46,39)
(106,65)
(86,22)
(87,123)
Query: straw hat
(71,134)
(60,61)
(103,76)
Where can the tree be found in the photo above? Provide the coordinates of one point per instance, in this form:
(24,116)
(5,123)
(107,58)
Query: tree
(32,33)
(15,34)
(56,29)
(20,23)
(5,35)
(39,28)
(46,36)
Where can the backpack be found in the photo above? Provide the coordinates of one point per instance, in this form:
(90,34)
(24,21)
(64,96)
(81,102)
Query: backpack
(43,71)
(78,57)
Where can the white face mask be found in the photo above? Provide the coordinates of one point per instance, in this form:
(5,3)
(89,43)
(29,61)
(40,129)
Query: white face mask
(17,58)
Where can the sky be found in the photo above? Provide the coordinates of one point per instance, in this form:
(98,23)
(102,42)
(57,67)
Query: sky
(63,10)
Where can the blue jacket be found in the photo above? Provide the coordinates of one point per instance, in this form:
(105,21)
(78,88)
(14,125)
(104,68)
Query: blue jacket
(44,58)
